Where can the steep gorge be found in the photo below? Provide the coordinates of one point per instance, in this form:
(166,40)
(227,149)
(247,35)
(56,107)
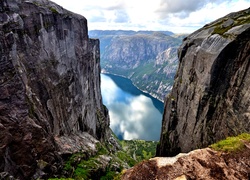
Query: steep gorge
(209,101)
(147,58)
(50,98)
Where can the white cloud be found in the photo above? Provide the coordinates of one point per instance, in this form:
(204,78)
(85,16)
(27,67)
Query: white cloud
(131,116)
(109,88)
(136,119)
(177,15)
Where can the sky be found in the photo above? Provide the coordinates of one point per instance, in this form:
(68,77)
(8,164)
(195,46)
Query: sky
(178,16)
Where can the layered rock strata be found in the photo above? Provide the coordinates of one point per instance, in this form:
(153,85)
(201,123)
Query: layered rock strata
(210,98)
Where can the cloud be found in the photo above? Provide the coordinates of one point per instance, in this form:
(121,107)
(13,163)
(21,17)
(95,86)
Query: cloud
(136,119)
(131,116)
(177,6)
(183,9)
(97,17)
(116,5)
(121,17)
(178,16)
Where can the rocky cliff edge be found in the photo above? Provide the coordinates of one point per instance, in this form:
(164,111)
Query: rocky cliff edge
(210,98)
(198,164)
(50,98)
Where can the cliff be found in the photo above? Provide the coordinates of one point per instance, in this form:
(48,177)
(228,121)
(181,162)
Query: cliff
(210,98)
(50,98)
(148,58)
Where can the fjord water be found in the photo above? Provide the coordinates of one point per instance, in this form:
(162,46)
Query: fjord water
(133,113)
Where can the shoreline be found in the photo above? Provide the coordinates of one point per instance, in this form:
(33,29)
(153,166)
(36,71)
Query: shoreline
(146,92)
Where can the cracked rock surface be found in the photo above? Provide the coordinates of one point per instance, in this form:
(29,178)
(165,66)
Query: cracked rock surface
(200,164)
(49,87)
(210,99)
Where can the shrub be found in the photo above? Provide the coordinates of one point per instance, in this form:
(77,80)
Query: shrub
(231,144)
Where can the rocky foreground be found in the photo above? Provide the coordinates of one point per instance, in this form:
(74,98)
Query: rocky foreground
(203,164)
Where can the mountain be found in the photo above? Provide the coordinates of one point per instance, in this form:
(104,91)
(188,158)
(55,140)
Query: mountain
(210,98)
(148,58)
(96,33)
(50,98)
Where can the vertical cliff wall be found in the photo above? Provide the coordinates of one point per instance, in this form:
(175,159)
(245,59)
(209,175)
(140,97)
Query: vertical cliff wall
(49,86)
(210,99)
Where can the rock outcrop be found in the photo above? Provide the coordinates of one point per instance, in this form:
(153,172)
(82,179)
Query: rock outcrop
(198,164)
(148,59)
(210,98)
(49,87)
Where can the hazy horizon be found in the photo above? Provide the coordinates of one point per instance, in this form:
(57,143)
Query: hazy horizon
(157,15)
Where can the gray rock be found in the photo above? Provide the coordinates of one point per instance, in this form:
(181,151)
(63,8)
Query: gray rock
(210,97)
(49,86)
(227,23)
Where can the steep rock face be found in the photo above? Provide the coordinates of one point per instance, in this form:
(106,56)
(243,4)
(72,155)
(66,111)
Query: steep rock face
(49,86)
(210,98)
(198,164)
(148,58)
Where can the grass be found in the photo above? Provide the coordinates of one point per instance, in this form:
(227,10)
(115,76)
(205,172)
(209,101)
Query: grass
(243,18)
(53,10)
(232,144)
(126,158)
(86,166)
(141,149)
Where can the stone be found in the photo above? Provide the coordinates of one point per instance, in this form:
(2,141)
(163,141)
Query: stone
(198,164)
(210,98)
(49,87)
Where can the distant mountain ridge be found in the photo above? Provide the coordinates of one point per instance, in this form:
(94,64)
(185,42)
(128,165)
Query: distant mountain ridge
(148,58)
(94,33)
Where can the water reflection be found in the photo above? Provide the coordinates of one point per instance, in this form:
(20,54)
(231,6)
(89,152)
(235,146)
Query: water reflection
(133,115)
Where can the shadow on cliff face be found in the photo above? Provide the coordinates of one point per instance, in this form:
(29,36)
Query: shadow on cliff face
(228,85)
(49,87)
(211,88)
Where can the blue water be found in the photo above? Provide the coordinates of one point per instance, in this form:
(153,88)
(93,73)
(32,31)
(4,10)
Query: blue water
(133,113)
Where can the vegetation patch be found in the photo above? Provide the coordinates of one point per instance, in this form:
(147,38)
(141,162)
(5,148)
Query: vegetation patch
(241,19)
(53,10)
(123,156)
(232,144)
(139,149)
(105,165)
(61,179)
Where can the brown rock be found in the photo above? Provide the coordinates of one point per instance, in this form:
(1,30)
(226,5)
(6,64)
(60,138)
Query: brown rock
(204,164)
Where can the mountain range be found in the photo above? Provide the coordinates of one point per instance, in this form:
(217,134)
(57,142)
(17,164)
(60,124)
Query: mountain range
(148,58)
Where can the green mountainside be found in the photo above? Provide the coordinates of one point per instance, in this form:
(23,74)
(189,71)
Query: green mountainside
(105,164)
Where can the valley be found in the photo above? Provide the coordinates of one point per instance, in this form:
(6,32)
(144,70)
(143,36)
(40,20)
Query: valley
(148,58)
